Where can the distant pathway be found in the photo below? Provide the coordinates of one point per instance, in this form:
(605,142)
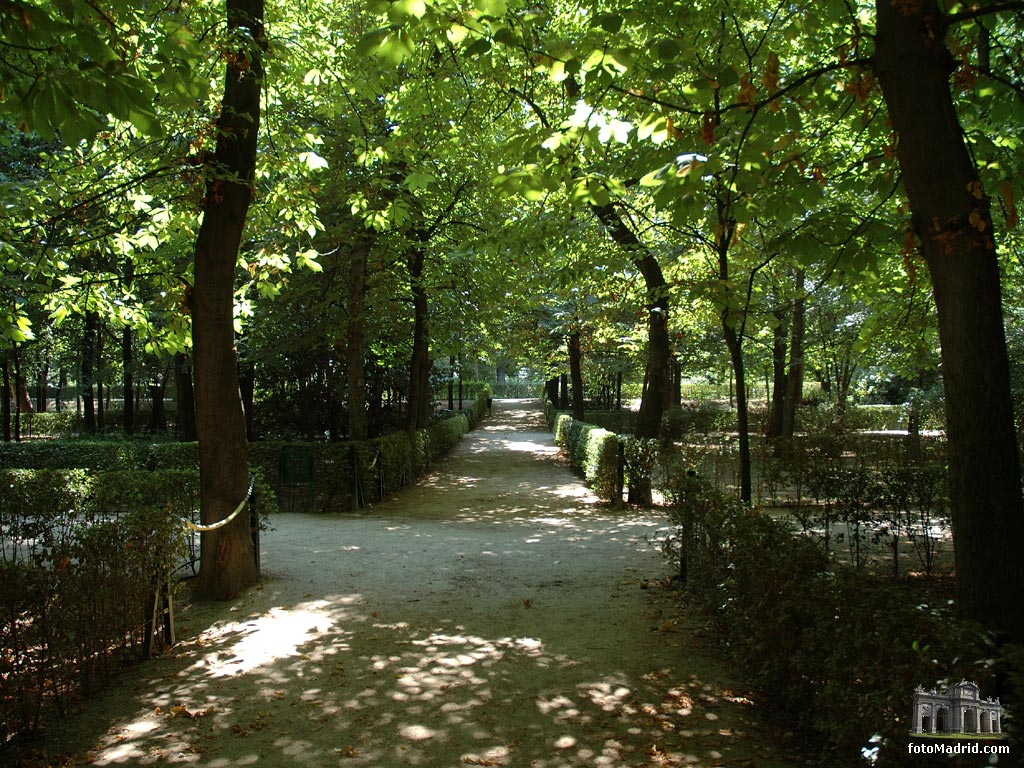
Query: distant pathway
(494,614)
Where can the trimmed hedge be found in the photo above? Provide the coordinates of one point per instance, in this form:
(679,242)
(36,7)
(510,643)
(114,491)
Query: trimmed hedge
(839,650)
(594,453)
(347,474)
(80,555)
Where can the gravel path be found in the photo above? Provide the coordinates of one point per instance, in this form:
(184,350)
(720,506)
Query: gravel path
(494,614)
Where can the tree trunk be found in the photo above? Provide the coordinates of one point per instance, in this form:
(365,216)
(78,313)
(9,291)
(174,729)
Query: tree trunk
(355,369)
(185,398)
(551,390)
(419,366)
(734,343)
(777,406)
(952,220)
(128,380)
(157,412)
(576,375)
(88,375)
(62,382)
(5,405)
(227,565)
(451,382)
(795,376)
(656,392)
(563,392)
(42,384)
(247,391)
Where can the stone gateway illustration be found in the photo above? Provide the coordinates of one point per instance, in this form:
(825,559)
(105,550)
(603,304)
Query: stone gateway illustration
(959,709)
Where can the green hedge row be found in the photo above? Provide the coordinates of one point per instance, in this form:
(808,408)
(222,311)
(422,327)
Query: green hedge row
(594,453)
(346,474)
(839,650)
(80,553)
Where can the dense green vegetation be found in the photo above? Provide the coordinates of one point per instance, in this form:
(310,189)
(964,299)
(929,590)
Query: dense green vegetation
(314,220)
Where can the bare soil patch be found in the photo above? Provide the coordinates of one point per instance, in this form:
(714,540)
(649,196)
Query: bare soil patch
(494,614)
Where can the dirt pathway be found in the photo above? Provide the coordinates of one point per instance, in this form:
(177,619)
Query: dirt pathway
(494,614)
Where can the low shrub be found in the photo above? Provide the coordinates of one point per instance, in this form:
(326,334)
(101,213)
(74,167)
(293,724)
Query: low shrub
(81,554)
(594,453)
(841,651)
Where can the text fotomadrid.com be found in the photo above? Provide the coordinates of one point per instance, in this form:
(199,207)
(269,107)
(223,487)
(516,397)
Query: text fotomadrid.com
(960,748)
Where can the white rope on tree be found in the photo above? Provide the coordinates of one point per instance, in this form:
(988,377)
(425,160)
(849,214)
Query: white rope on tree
(221,523)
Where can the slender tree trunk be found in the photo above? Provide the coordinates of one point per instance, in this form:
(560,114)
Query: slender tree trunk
(62,382)
(185,398)
(657,392)
(247,391)
(5,405)
(952,220)
(101,407)
(777,405)
(563,391)
(88,375)
(42,384)
(451,382)
(355,368)
(576,375)
(795,376)
(734,343)
(227,564)
(157,411)
(419,366)
(128,380)
(551,390)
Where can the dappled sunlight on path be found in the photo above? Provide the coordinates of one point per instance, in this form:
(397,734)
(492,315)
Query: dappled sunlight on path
(494,614)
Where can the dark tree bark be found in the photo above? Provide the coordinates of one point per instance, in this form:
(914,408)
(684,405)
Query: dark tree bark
(185,398)
(551,390)
(355,368)
(5,405)
(157,412)
(88,371)
(951,217)
(419,366)
(777,407)
(247,391)
(563,391)
(62,382)
(734,342)
(657,392)
(576,375)
(795,376)
(227,564)
(128,380)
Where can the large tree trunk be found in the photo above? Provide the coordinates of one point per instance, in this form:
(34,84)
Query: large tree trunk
(795,376)
(657,391)
(355,369)
(5,405)
(419,366)
(227,565)
(576,375)
(88,371)
(128,380)
(951,217)
(185,398)
(777,408)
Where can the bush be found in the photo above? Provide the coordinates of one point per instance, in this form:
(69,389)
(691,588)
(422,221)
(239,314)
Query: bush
(842,651)
(82,554)
(594,453)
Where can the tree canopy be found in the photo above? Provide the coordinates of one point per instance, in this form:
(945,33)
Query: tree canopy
(666,191)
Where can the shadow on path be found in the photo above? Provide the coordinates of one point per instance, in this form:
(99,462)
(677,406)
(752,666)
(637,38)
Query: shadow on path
(494,614)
